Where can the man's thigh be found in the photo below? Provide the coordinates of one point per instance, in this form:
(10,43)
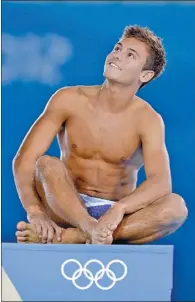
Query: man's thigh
(168,212)
(57,169)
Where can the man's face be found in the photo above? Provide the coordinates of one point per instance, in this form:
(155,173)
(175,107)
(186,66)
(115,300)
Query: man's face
(126,61)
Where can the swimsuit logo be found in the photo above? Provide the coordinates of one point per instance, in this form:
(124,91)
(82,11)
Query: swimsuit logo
(94,277)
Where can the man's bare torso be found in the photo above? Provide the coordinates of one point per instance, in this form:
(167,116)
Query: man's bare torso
(102,149)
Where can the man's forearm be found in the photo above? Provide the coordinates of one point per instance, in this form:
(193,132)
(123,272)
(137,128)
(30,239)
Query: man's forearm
(27,193)
(149,191)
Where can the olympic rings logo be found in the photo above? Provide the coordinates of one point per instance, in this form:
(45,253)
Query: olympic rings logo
(98,275)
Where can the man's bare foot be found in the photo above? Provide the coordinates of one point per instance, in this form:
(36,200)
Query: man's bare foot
(101,236)
(103,233)
(94,236)
(27,234)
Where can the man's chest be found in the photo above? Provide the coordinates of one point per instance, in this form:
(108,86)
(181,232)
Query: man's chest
(113,138)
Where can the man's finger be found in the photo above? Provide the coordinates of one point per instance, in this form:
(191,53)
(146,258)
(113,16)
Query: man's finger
(50,234)
(44,233)
(58,232)
(38,229)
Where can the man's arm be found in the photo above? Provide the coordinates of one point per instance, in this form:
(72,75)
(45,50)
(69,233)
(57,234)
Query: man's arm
(34,145)
(156,164)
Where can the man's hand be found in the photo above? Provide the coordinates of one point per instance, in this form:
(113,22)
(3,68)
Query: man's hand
(45,227)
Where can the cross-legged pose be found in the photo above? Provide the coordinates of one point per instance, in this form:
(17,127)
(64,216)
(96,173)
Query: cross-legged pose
(106,134)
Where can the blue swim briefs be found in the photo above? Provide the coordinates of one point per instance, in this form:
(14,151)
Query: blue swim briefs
(96,207)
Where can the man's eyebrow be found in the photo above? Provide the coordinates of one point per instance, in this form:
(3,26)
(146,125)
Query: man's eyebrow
(133,50)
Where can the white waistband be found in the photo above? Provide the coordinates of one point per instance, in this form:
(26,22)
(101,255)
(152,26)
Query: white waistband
(91,201)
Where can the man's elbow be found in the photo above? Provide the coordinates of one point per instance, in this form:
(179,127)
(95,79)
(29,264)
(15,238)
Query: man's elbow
(23,163)
(17,163)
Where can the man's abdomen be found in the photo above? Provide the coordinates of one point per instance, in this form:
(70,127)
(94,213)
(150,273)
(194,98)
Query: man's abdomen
(100,179)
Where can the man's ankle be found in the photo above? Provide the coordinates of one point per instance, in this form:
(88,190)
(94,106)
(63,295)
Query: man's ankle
(88,227)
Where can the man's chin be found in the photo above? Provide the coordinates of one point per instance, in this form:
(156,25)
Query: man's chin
(110,77)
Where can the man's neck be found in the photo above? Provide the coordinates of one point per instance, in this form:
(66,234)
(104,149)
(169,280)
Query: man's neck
(115,96)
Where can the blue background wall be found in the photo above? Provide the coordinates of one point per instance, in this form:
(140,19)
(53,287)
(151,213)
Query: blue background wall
(50,45)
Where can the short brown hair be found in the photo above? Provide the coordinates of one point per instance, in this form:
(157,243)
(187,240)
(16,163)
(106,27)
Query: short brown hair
(156,60)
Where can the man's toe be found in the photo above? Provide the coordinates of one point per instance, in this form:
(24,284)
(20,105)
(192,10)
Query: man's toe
(112,227)
(103,234)
(22,233)
(21,226)
(22,239)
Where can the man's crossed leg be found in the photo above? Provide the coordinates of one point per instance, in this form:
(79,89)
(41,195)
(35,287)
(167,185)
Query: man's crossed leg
(71,223)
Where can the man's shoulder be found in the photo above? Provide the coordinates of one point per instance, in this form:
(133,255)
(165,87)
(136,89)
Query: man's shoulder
(79,90)
(70,97)
(67,95)
(147,111)
(67,90)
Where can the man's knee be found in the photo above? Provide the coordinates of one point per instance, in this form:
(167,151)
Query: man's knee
(47,164)
(177,208)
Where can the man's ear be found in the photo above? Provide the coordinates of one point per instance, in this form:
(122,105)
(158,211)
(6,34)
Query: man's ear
(146,76)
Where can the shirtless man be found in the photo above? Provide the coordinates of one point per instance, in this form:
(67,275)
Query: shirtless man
(106,134)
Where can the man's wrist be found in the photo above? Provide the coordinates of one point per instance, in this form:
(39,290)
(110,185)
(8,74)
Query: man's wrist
(121,206)
(34,209)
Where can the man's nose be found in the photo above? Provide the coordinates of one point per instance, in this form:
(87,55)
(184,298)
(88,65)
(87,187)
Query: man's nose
(118,56)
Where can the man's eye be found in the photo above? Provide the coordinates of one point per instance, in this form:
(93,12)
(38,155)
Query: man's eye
(131,55)
(117,48)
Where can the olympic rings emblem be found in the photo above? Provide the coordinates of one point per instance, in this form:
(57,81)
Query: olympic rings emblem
(98,275)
